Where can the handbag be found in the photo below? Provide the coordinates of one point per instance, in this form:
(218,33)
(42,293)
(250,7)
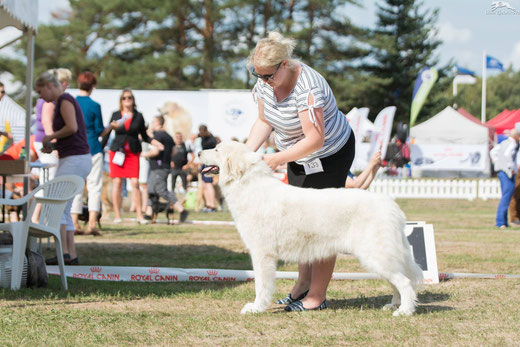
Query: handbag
(119,158)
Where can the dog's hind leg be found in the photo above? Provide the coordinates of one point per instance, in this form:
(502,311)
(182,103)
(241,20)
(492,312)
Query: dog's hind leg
(396,300)
(264,267)
(407,293)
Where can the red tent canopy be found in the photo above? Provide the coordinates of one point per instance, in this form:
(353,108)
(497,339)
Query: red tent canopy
(469,116)
(500,117)
(508,122)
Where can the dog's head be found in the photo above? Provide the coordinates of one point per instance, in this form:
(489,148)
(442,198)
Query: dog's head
(232,160)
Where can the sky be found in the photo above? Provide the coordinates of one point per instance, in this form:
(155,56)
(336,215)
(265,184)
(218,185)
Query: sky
(466,27)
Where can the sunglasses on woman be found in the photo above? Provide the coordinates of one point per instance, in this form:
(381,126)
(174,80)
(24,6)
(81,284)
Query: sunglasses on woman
(265,78)
(127,98)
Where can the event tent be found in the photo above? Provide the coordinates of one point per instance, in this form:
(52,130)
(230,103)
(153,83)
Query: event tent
(23,15)
(491,129)
(499,117)
(507,122)
(450,144)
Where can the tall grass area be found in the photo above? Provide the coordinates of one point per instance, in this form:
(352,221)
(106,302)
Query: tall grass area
(461,312)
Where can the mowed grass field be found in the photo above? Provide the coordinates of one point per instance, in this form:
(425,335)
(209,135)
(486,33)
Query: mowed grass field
(459,312)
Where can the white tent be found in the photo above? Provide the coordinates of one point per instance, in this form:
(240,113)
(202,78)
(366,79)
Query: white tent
(448,145)
(23,14)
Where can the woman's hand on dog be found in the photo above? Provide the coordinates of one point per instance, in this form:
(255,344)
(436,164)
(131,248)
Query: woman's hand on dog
(272,160)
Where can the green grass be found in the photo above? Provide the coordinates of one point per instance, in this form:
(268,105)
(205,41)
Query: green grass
(459,312)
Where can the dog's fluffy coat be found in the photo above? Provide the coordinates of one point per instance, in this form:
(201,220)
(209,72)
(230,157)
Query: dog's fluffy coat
(278,221)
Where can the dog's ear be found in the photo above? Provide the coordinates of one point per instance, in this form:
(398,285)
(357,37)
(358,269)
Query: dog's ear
(235,166)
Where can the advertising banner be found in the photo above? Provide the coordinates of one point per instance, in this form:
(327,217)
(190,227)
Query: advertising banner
(449,157)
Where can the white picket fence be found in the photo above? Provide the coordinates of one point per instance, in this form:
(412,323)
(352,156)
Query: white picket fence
(438,189)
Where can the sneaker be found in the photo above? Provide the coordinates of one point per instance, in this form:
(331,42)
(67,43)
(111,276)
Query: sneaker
(143,221)
(184,215)
(516,222)
(74,261)
(117,221)
(54,260)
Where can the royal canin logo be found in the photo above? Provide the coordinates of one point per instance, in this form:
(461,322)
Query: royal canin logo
(212,272)
(154,270)
(95,269)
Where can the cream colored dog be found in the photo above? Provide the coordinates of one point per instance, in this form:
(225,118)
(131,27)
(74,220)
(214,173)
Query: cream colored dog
(303,225)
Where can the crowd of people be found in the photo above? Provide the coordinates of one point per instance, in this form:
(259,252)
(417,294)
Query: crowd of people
(69,137)
(312,141)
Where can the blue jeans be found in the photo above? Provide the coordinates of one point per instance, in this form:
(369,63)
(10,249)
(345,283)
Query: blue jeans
(507,186)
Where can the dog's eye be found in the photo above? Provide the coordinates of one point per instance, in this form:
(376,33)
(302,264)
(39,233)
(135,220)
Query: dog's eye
(216,150)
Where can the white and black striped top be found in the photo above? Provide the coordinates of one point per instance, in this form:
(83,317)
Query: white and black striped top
(283,115)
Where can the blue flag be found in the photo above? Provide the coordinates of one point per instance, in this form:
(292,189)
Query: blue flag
(493,63)
(463,71)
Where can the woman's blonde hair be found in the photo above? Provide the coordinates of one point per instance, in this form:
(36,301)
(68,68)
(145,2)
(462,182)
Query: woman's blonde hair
(63,75)
(272,50)
(126,90)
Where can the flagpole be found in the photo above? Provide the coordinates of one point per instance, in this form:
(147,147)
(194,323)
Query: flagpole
(483,110)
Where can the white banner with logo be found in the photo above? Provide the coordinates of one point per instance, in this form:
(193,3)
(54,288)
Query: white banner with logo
(227,113)
(449,157)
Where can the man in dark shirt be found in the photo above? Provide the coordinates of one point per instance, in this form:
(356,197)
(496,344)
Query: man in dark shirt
(179,161)
(160,167)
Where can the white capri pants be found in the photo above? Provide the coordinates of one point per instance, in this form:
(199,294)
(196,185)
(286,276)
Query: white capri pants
(78,165)
(94,187)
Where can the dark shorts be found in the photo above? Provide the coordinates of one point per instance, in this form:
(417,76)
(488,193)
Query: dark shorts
(335,169)
(207,179)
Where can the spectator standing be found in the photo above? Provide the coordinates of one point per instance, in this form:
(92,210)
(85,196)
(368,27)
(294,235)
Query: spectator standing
(124,153)
(70,134)
(94,126)
(313,137)
(180,161)
(503,156)
(44,118)
(208,141)
(160,167)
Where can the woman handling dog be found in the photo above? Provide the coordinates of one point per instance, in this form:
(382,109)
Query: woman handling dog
(313,136)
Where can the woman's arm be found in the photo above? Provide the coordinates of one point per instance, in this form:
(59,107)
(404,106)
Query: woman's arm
(260,130)
(69,118)
(314,137)
(47,117)
(366,177)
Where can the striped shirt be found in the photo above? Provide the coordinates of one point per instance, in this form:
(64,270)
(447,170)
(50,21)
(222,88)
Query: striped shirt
(283,115)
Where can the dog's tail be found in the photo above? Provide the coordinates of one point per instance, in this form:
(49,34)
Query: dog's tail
(413,271)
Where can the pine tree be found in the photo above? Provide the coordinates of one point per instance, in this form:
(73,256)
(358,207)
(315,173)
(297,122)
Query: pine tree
(402,43)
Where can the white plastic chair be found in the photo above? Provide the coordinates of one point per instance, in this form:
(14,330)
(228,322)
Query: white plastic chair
(56,194)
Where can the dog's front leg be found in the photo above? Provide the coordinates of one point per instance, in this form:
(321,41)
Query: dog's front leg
(264,267)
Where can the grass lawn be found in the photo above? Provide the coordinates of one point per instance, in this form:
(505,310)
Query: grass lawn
(459,312)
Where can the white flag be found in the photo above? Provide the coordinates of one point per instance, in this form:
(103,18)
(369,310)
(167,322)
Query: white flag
(382,131)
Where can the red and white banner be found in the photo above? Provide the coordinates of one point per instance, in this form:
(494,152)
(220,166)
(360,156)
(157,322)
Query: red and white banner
(161,274)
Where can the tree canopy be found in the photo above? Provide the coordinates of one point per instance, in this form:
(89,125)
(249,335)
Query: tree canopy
(193,44)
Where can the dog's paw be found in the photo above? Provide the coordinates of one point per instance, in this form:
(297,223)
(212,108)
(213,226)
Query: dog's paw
(388,307)
(250,307)
(403,312)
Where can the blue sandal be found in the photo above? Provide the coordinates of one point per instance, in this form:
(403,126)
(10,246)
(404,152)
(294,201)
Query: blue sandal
(297,306)
(289,299)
